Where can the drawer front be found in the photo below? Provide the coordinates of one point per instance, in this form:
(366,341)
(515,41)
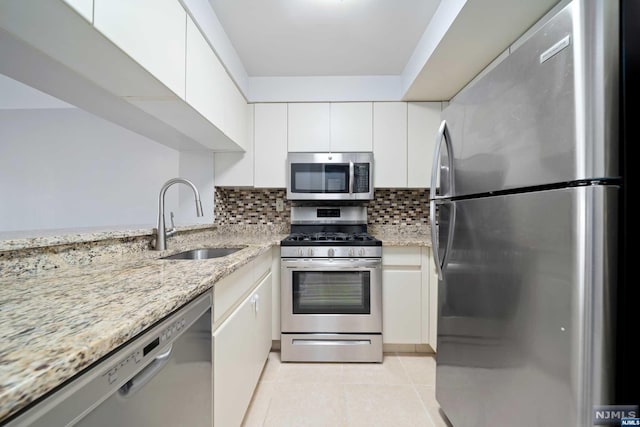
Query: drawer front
(262,265)
(229,292)
(401,255)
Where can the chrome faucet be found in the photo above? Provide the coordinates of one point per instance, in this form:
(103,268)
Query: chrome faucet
(162,233)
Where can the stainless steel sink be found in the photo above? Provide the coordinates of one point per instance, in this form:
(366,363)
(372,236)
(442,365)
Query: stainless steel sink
(203,253)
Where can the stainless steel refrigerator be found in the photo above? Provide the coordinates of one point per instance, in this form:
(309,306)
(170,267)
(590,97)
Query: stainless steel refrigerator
(525,201)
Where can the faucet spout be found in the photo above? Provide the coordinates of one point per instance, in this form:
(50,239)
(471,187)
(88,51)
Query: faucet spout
(161,231)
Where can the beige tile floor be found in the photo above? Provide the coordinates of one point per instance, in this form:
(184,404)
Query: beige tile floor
(398,392)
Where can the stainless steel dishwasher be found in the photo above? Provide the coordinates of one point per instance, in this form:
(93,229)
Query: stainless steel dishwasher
(161,378)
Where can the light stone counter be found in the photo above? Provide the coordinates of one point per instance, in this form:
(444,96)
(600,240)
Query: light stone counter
(398,235)
(17,240)
(56,322)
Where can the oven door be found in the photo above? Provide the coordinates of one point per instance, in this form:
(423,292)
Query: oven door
(331,296)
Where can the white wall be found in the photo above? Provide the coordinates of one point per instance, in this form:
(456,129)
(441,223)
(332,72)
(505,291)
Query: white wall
(65,168)
(197,167)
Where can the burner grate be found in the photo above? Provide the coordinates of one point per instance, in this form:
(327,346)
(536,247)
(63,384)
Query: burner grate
(329,237)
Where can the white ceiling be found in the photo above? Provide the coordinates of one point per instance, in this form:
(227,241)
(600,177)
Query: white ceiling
(361,50)
(324,37)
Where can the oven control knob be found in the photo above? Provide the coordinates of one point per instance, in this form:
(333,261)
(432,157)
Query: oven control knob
(310,252)
(300,252)
(361,252)
(331,252)
(352,252)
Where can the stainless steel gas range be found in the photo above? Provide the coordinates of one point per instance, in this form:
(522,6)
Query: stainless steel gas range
(331,287)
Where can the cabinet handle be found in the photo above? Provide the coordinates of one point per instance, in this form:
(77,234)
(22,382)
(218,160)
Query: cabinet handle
(256,299)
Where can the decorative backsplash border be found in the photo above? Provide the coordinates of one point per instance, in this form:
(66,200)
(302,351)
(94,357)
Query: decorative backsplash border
(235,206)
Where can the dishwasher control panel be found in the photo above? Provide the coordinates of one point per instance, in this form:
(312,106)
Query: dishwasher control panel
(128,365)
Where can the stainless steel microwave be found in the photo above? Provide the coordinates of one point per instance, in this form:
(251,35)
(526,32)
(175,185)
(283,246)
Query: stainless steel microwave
(330,176)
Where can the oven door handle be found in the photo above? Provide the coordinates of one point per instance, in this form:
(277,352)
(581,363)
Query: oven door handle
(350,264)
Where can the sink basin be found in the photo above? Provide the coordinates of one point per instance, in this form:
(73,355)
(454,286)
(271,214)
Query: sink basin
(203,253)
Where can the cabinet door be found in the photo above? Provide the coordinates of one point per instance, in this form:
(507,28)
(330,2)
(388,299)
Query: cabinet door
(240,348)
(235,122)
(204,77)
(270,145)
(422,127)
(432,312)
(264,314)
(390,144)
(352,126)
(83,7)
(401,307)
(236,169)
(308,127)
(275,293)
(152,32)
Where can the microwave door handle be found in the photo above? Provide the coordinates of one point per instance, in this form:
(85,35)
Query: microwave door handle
(351,177)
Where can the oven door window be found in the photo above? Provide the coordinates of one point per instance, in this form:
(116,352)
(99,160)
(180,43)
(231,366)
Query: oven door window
(331,292)
(319,178)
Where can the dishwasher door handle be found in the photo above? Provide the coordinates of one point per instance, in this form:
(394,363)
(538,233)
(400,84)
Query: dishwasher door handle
(139,380)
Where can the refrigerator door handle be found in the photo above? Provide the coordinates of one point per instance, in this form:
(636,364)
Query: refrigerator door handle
(435,235)
(446,190)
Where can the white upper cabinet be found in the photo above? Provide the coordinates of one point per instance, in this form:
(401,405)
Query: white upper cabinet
(210,90)
(262,165)
(308,127)
(423,123)
(236,169)
(270,145)
(323,127)
(400,134)
(204,76)
(83,7)
(390,144)
(150,31)
(352,126)
(237,121)
(130,67)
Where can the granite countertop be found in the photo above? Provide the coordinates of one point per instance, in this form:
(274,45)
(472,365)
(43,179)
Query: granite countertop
(16,240)
(402,235)
(54,324)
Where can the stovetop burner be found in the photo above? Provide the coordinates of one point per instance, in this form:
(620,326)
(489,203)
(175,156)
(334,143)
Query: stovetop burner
(330,238)
(341,227)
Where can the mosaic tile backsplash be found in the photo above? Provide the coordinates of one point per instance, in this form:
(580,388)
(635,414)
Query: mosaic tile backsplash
(399,207)
(258,207)
(250,206)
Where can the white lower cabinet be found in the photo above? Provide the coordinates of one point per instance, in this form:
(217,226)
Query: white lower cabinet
(401,289)
(241,345)
(409,299)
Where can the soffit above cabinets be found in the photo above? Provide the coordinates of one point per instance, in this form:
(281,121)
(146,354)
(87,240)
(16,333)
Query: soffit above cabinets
(340,50)
(364,50)
(324,37)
